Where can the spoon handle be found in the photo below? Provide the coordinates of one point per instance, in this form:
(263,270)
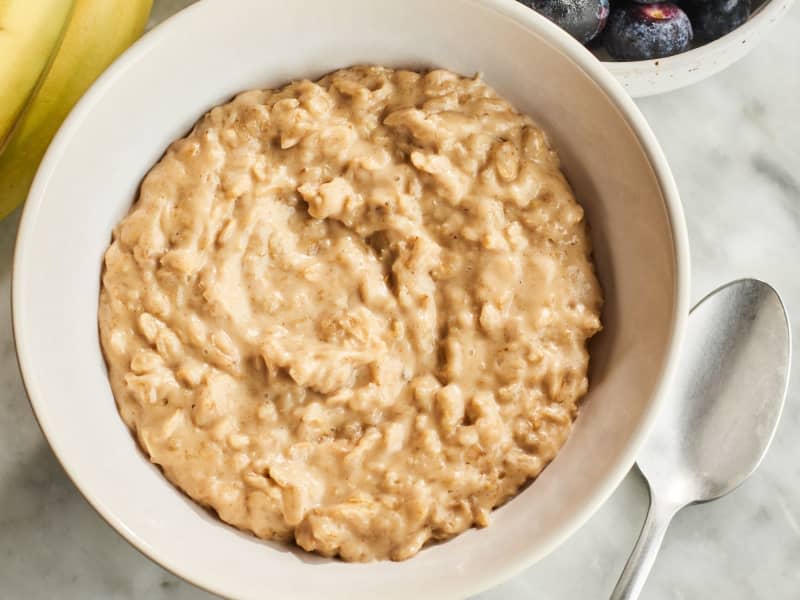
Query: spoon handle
(641,560)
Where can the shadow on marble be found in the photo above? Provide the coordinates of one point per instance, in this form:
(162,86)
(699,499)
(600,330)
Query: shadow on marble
(51,539)
(8,237)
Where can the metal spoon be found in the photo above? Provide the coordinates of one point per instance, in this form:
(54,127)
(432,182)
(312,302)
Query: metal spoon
(727,399)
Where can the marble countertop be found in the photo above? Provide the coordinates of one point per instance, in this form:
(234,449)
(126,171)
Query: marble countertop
(734,144)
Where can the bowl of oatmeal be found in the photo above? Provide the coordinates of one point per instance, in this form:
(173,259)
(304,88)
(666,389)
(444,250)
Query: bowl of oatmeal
(353,314)
(341,302)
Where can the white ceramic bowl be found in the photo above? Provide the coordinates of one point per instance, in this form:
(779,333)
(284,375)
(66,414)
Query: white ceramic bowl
(650,77)
(199,58)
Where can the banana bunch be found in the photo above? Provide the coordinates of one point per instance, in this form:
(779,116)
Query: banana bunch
(50,53)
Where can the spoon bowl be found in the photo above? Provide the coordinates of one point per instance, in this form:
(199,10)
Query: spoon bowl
(720,419)
(728,398)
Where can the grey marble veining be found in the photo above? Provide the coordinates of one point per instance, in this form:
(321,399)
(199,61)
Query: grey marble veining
(734,145)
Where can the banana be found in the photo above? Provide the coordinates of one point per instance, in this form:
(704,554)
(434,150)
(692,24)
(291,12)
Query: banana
(97,32)
(29,35)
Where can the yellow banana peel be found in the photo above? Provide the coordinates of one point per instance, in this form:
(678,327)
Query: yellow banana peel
(98,31)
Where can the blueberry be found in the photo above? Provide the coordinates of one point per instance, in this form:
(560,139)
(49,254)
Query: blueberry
(714,18)
(644,31)
(582,19)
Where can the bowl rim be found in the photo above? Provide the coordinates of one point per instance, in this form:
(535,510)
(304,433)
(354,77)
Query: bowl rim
(758,20)
(532,22)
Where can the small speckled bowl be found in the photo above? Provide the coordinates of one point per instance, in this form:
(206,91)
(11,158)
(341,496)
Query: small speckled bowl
(651,77)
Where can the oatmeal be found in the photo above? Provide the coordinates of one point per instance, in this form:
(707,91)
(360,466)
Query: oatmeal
(353,313)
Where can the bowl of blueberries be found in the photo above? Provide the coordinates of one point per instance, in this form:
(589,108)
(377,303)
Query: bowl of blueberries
(656,47)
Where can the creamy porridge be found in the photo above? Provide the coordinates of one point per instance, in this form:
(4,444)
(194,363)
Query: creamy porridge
(353,313)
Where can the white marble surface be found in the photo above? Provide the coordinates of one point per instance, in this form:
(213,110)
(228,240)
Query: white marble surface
(734,144)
